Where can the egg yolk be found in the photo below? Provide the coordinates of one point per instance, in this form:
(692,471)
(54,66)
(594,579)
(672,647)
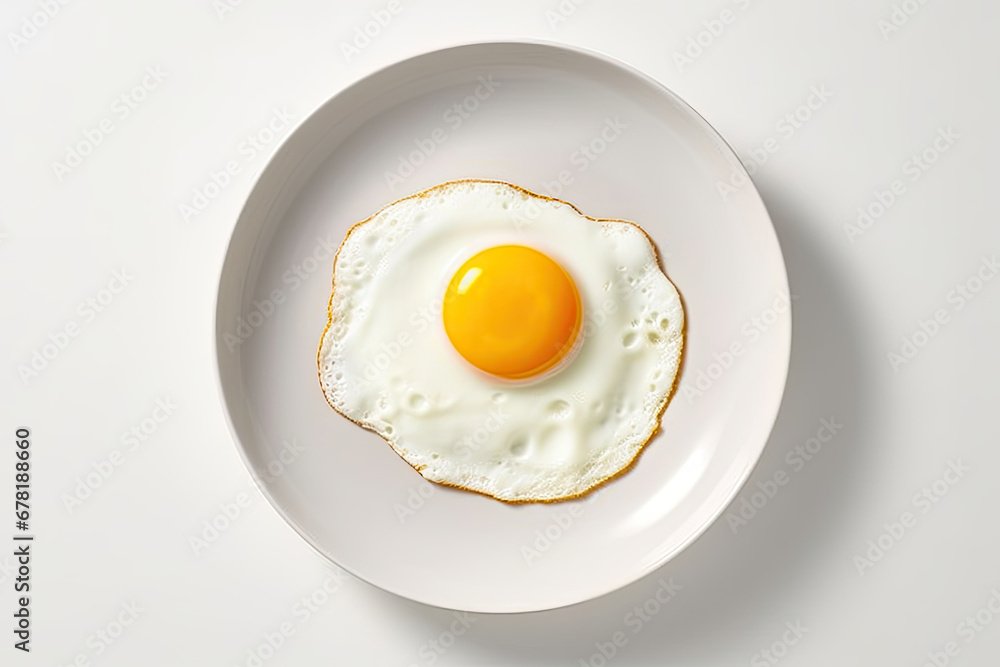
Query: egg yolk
(512,312)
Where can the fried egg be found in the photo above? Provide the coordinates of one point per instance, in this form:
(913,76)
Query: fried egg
(500,341)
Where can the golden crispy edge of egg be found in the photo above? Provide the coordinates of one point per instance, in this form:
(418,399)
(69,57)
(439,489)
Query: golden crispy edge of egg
(520,501)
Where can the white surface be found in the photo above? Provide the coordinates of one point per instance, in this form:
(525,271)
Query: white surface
(793,562)
(362,505)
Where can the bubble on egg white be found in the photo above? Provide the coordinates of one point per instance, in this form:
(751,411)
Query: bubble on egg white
(559,409)
(417,403)
(518,444)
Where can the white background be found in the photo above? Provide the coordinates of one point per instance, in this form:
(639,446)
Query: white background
(797,562)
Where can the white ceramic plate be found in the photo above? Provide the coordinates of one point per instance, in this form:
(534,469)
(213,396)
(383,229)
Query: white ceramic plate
(531,114)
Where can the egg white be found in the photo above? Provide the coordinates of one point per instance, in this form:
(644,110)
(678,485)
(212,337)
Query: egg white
(386,363)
